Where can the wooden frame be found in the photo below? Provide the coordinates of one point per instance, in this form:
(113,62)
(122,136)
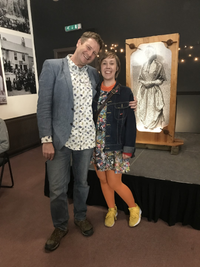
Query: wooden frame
(63,52)
(166,136)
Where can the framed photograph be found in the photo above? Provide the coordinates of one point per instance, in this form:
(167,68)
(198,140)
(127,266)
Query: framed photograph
(17,53)
(151,73)
(14,15)
(3,99)
(18,62)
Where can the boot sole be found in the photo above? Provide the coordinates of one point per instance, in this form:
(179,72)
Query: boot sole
(47,249)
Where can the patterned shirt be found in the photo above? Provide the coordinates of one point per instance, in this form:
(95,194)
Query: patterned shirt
(83,130)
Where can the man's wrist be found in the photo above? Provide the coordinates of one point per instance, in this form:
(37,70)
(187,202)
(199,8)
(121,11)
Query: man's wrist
(46,139)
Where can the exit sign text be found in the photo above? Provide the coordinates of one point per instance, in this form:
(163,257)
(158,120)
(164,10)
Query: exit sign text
(73,27)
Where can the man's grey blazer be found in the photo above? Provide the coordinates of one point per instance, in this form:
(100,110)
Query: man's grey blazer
(55,108)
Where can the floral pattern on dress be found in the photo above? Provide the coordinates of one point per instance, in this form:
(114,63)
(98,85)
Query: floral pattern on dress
(111,160)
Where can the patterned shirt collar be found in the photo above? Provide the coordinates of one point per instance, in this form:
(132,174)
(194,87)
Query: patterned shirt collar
(73,67)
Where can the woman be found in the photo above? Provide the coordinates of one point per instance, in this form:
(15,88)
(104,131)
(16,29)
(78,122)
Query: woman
(115,140)
(150,97)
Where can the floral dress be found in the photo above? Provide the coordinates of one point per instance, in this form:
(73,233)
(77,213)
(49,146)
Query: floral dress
(111,160)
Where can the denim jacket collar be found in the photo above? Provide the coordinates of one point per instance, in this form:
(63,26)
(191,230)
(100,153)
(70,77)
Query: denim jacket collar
(99,88)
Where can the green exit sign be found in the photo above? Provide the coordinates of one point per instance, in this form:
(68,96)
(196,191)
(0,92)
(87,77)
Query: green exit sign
(73,27)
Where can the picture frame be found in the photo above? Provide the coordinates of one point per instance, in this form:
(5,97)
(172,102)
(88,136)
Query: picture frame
(164,135)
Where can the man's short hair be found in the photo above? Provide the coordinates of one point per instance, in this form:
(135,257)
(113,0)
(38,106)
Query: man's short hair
(93,35)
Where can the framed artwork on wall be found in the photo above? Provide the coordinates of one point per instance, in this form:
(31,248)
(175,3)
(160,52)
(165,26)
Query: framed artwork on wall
(151,73)
(3,99)
(17,52)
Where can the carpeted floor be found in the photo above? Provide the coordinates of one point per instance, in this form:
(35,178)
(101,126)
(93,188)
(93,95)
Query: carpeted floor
(25,224)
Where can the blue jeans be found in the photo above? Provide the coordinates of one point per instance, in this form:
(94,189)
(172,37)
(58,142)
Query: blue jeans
(59,176)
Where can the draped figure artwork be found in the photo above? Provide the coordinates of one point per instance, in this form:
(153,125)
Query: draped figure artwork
(149,95)
(151,73)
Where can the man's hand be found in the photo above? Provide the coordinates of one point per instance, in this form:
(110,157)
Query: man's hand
(48,151)
(133,104)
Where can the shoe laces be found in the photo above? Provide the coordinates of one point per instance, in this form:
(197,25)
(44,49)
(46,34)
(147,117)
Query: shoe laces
(111,213)
(134,212)
(83,223)
(57,234)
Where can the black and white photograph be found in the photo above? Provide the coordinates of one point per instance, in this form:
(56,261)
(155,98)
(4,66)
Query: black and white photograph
(18,63)
(14,15)
(150,82)
(3,99)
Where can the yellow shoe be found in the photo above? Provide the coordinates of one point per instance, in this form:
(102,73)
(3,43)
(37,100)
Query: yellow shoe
(135,216)
(111,217)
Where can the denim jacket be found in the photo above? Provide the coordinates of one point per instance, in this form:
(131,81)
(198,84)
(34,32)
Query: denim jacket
(120,121)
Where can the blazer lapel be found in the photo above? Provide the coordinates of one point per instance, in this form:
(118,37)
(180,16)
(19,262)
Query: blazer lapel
(65,67)
(93,81)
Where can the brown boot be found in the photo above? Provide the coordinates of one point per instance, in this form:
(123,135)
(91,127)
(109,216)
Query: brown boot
(54,241)
(85,226)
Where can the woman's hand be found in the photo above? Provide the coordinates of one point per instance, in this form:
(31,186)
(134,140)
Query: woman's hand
(157,82)
(147,84)
(124,156)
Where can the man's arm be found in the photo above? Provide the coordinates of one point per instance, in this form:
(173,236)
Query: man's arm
(130,132)
(44,109)
(133,104)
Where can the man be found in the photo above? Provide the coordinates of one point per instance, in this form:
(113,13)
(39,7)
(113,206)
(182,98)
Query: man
(4,139)
(66,90)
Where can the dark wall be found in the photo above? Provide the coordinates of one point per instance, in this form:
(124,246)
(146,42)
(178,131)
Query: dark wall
(119,20)
(115,21)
